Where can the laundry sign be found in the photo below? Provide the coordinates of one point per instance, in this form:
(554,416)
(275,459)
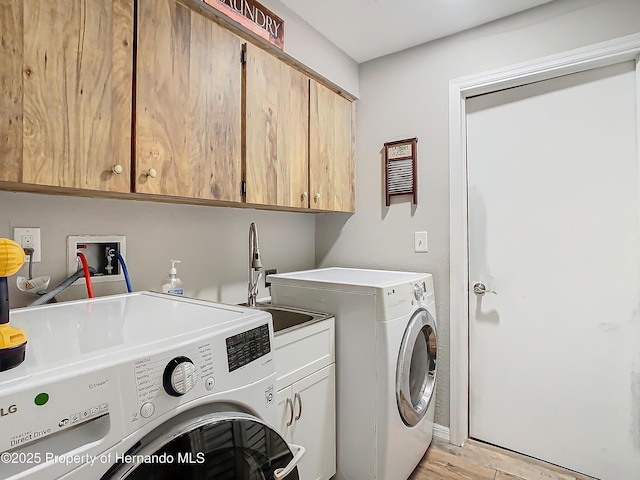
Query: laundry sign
(253,16)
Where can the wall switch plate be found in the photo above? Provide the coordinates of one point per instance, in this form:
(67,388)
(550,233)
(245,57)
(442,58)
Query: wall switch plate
(420,242)
(29,237)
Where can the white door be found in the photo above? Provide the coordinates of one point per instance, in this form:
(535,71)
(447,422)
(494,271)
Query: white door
(554,229)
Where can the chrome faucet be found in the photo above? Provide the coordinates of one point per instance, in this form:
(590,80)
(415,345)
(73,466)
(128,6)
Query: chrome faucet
(255,264)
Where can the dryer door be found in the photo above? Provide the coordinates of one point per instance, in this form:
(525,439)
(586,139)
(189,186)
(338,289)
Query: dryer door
(416,370)
(217,446)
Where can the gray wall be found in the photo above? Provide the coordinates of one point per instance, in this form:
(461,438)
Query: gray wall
(406,95)
(211,242)
(307,45)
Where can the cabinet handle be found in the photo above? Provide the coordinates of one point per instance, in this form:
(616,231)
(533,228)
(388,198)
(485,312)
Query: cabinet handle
(316,197)
(117,169)
(290,405)
(299,400)
(152,173)
(303,196)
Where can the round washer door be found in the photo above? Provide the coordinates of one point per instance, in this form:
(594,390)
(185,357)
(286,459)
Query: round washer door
(217,446)
(416,370)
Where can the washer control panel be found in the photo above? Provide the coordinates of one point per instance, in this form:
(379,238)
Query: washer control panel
(163,381)
(248,346)
(176,376)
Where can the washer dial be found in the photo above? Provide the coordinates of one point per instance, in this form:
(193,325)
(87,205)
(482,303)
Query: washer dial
(180,375)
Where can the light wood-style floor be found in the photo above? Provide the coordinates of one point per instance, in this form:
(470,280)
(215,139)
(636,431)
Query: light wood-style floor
(478,461)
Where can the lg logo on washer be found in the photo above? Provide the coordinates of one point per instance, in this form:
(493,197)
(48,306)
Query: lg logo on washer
(8,411)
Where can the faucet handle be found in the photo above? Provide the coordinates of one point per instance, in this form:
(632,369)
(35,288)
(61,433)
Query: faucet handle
(253,290)
(253,287)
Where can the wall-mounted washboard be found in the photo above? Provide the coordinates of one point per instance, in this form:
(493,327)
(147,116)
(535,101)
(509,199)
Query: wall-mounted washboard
(401,176)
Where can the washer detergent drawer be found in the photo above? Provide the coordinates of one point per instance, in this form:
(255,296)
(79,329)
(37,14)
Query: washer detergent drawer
(55,425)
(216,446)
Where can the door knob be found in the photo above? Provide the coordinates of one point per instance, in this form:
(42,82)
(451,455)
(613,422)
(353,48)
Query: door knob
(480,289)
(152,173)
(316,197)
(117,169)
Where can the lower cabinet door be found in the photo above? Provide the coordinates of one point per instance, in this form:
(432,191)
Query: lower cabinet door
(314,424)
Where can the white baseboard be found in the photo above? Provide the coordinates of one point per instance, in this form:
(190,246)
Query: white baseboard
(441,433)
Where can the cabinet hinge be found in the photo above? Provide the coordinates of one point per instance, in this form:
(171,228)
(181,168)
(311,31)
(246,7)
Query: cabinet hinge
(243,188)
(243,57)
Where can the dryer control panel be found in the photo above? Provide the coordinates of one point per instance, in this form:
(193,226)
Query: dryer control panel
(401,299)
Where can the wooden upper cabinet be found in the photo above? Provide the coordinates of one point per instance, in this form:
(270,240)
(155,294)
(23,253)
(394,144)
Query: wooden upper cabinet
(331,152)
(188,105)
(277,132)
(72,91)
(65,106)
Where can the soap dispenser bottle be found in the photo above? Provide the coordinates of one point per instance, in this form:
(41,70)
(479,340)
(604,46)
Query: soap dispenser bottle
(172,284)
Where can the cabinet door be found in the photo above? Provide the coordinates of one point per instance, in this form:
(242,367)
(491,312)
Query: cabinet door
(188,104)
(65,107)
(331,157)
(277,133)
(314,426)
(301,351)
(285,413)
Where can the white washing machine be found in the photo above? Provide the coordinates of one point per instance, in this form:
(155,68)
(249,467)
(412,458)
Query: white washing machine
(143,386)
(386,349)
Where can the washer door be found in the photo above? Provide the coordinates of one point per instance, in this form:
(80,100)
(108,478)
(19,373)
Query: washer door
(416,370)
(217,446)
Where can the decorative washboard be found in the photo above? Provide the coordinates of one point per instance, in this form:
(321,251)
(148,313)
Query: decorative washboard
(401,175)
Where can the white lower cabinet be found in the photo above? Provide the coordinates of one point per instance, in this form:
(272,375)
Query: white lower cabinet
(309,419)
(306,401)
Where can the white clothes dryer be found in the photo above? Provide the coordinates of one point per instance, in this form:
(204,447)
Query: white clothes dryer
(386,358)
(143,386)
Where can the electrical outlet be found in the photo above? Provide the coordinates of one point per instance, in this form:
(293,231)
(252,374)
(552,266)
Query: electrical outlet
(267,272)
(29,238)
(420,242)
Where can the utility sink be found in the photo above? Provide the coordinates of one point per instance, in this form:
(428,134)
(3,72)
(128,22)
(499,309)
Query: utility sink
(285,318)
